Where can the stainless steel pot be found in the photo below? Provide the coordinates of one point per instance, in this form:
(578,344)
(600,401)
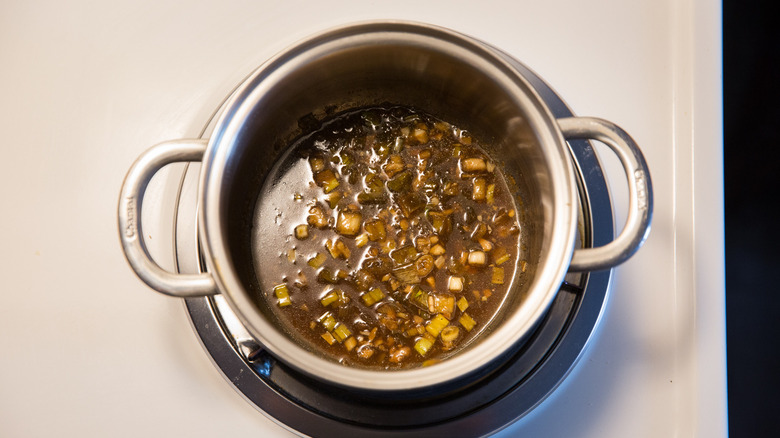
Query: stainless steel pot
(446,74)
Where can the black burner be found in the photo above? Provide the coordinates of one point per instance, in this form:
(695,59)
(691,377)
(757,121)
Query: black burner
(526,377)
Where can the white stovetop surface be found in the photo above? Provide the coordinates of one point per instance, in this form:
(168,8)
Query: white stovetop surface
(87,350)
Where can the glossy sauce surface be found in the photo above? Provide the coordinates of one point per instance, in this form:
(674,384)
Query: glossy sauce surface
(391,239)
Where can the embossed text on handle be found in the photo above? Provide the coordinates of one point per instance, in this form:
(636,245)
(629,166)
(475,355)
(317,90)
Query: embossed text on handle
(131,213)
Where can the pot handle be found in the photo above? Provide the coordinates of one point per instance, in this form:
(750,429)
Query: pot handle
(640,193)
(130,231)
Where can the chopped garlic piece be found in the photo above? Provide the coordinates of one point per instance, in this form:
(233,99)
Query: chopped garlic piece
(477,258)
(455,284)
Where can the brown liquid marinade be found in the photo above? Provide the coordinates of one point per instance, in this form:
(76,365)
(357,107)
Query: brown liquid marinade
(401,242)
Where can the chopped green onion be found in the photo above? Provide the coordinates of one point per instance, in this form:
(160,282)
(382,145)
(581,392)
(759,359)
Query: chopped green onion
(367,198)
(418,297)
(442,126)
(407,274)
(463,304)
(302,232)
(436,325)
(327,180)
(317,217)
(349,222)
(456,151)
(394,165)
(283,294)
(374,183)
(501,256)
(423,345)
(346,158)
(479,190)
(480,230)
(373,296)
(498,276)
(411,203)
(330,298)
(401,182)
(328,336)
(328,321)
(467,322)
(333,199)
(375,230)
(341,332)
(440,222)
(363,279)
(337,249)
(327,276)
(398,145)
(330,186)
(317,164)
(403,255)
(317,261)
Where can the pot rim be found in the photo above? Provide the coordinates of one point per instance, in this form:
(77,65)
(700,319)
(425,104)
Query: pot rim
(544,285)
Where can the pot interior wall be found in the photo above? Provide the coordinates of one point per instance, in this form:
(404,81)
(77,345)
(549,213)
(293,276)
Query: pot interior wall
(294,95)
